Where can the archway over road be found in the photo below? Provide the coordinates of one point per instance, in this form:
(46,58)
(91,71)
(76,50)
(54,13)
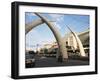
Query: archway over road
(61,43)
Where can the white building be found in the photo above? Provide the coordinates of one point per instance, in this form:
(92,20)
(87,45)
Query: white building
(72,43)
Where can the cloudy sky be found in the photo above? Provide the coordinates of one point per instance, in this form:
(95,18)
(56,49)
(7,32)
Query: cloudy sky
(42,34)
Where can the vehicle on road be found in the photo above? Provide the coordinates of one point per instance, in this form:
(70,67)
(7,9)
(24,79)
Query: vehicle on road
(29,60)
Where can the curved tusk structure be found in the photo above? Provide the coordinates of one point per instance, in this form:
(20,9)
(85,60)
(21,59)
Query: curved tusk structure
(61,43)
(82,52)
(34,23)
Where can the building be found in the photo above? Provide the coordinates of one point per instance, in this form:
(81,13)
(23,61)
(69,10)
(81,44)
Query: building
(49,49)
(71,42)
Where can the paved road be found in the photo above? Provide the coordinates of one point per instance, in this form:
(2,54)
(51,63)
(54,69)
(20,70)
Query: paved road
(52,62)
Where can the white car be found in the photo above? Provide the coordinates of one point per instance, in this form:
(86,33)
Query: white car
(29,61)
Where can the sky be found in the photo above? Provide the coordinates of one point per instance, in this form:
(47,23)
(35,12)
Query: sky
(41,34)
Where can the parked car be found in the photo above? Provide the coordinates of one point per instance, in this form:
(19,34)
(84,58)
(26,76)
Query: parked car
(29,61)
(32,52)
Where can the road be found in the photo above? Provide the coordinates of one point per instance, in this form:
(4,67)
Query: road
(52,62)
